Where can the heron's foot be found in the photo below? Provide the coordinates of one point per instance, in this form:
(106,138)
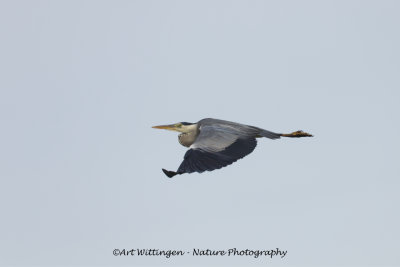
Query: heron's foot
(170,174)
(298,134)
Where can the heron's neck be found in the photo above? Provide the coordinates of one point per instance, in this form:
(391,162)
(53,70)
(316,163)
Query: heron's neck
(188,135)
(189,128)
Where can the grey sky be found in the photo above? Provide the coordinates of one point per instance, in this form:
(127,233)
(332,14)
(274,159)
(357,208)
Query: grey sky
(82,82)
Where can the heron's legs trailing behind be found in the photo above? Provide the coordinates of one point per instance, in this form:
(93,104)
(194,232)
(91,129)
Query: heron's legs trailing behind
(297,134)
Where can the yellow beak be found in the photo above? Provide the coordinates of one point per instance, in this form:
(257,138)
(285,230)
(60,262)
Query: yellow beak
(170,127)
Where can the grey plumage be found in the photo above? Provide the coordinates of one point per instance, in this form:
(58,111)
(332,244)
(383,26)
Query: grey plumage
(217,143)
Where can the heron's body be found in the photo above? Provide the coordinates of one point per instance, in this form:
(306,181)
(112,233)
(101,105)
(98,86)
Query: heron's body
(217,143)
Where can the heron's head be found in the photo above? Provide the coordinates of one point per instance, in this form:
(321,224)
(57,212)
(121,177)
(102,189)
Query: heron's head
(183,127)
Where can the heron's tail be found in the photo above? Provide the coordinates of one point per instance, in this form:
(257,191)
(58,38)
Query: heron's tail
(298,133)
(268,134)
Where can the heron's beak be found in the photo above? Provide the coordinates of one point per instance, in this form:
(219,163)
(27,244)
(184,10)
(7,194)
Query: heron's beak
(170,127)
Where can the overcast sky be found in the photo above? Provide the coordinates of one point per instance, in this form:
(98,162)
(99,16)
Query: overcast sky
(82,82)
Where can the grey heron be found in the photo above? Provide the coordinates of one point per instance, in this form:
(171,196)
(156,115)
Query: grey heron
(217,143)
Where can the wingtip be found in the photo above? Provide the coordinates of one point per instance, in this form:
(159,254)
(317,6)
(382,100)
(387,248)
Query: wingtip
(170,174)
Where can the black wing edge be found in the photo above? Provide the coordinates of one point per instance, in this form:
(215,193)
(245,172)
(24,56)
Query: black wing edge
(197,160)
(170,174)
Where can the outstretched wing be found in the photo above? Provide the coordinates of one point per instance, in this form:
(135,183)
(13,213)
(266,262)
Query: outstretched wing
(218,145)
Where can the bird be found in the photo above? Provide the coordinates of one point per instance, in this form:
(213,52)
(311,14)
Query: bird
(215,143)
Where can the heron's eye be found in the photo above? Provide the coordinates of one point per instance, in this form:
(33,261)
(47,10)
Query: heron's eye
(179,125)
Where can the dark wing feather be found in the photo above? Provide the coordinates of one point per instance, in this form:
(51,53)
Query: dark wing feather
(217,147)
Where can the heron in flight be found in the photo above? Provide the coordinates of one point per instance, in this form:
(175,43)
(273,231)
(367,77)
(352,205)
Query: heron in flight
(214,144)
